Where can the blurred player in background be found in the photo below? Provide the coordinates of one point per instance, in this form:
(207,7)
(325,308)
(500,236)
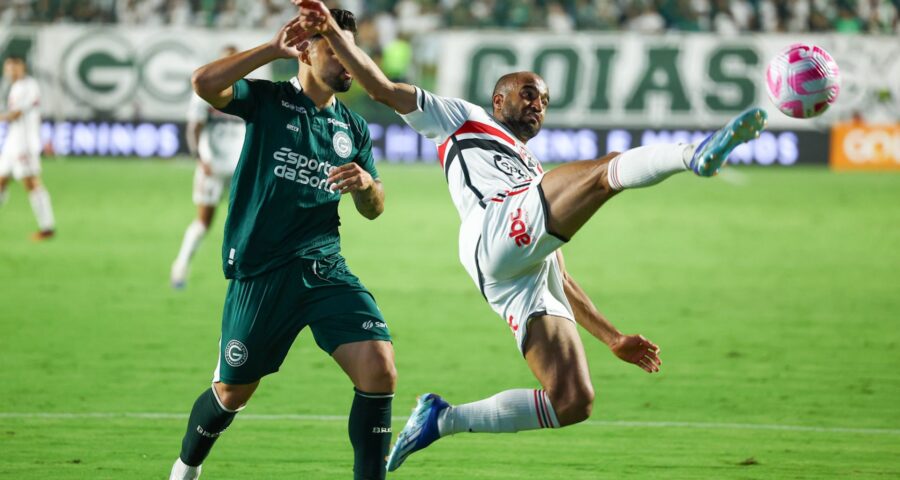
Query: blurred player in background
(215,139)
(515,217)
(21,155)
(302,151)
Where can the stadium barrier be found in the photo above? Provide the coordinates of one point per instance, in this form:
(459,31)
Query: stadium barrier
(860,146)
(398,143)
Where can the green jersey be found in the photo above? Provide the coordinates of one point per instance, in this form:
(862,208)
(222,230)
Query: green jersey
(281,206)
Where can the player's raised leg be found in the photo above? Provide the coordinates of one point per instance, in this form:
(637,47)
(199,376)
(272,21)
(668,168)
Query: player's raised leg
(213,412)
(370,366)
(575,191)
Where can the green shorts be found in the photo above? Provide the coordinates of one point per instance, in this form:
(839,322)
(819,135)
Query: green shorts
(264,314)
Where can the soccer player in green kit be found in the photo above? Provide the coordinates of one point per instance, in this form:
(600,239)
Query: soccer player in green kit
(302,150)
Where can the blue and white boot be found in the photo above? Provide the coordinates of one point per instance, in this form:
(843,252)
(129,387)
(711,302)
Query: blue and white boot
(421,429)
(712,153)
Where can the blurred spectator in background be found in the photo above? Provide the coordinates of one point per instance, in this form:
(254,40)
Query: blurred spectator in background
(396,59)
(644,17)
(847,21)
(413,17)
(558,20)
(723,21)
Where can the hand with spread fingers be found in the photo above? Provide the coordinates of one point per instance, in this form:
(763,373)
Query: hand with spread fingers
(350,177)
(637,350)
(314,15)
(290,38)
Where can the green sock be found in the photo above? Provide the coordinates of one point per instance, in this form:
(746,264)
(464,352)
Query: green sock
(370,433)
(208,420)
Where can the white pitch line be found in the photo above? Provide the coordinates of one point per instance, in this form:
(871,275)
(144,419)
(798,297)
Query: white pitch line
(343,418)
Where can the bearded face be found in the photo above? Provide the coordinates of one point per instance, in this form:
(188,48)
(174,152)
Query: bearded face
(524,104)
(327,68)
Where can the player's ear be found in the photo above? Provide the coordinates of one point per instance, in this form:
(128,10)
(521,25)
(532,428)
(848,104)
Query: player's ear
(497,101)
(304,51)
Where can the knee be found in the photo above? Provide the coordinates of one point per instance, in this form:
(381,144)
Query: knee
(233,397)
(574,404)
(382,376)
(601,175)
(379,375)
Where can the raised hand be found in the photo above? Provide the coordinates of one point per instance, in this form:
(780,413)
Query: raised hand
(290,38)
(314,15)
(637,350)
(349,177)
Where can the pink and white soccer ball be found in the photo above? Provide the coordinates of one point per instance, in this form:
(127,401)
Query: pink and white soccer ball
(803,81)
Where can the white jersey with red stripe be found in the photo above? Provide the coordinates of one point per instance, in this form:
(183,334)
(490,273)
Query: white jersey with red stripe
(482,160)
(494,182)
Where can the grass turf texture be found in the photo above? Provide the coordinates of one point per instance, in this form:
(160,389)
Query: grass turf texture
(774,298)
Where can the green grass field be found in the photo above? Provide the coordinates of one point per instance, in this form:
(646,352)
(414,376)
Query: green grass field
(774,295)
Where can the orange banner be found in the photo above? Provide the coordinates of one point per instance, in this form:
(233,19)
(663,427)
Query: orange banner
(860,146)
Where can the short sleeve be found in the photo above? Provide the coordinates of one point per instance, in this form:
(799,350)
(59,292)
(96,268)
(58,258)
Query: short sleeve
(437,117)
(248,92)
(364,151)
(198,110)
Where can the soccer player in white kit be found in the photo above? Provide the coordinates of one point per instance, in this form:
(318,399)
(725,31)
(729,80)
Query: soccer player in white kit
(21,155)
(216,140)
(515,216)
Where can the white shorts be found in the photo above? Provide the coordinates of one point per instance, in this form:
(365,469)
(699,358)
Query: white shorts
(512,258)
(208,189)
(19,163)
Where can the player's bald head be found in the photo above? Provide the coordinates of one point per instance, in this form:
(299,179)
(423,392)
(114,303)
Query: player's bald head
(515,80)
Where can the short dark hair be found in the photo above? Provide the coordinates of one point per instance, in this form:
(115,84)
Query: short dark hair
(344,18)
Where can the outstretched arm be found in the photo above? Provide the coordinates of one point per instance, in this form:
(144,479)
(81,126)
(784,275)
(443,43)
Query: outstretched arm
(629,348)
(315,17)
(213,81)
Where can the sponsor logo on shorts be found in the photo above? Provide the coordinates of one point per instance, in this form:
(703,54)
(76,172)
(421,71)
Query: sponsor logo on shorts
(292,127)
(342,144)
(236,353)
(513,326)
(518,230)
(369,324)
(382,430)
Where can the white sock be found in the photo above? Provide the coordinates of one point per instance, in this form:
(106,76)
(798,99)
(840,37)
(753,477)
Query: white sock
(43,210)
(4,195)
(192,237)
(180,471)
(506,412)
(645,166)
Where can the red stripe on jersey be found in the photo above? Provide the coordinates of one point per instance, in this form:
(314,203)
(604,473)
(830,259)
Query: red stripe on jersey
(441,149)
(478,127)
(516,192)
